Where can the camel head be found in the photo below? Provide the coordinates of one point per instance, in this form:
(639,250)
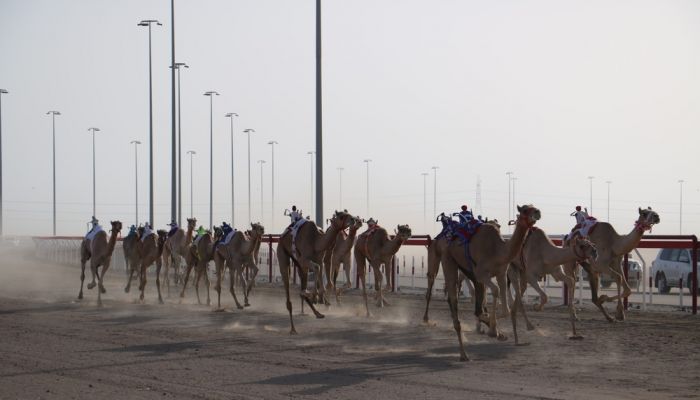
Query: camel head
(116,226)
(493,222)
(162,235)
(647,219)
(528,215)
(192,223)
(257,228)
(584,250)
(403,232)
(341,219)
(218,233)
(356,222)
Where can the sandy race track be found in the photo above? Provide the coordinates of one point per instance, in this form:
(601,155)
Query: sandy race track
(54,346)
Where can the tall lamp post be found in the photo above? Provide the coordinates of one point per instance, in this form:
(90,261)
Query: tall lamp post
(250,205)
(608,183)
(340,187)
(434,168)
(93,130)
(148,23)
(425,201)
(272,144)
(680,218)
(191,153)
(513,207)
(2,91)
(53,123)
(211,95)
(510,205)
(262,208)
(311,179)
(590,190)
(136,143)
(367,161)
(232,115)
(178,66)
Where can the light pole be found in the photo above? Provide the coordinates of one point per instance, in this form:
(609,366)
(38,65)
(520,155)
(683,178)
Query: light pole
(680,219)
(590,188)
(231,115)
(53,123)
(148,23)
(250,206)
(608,182)
(367,161)
(191,153)
(2,91)
(311,177)
(425,201)
(136,143)
(510,206)
(340,187)
(93,130)
(211,95)
(262,208)
(435,168)
(272,144)
(177,66)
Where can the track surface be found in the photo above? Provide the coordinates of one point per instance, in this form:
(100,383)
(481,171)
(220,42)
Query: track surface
(54,346)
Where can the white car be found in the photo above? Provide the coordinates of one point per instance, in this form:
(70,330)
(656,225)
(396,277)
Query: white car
(669,267)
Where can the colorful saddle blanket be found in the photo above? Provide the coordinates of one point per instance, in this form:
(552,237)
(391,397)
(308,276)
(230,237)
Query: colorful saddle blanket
(295,229)
(584,229)
(93,232)
(464,233)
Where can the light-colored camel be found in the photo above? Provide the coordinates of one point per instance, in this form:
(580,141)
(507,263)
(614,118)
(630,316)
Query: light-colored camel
(201,252)
(149,250)
(435,250)
(311,244)
(611,248)
(488,255)
(176,246)
(99,252)
(341,255)
(237,253)
(539,257)
(375,246)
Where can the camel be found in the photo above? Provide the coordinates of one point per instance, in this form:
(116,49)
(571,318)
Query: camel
(310,244)
(538,257)
(435,250)
(148,251)
(341,254)
(99,252)
(611,248)
(177,245)
(375,246)
(128,247)
(239,251)
(488,256)
(198,257)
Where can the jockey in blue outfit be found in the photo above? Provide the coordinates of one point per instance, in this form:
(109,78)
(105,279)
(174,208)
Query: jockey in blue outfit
(173,228)
(465,215)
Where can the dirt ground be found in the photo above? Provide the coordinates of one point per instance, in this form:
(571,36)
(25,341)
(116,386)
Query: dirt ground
(54,346)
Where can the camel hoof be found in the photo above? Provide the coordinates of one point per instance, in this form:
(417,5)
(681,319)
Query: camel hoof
(293,332)
(91,285)
(575,337)
(99,304)
(463,358)
(498,335)
(602,299)
(160,301)
(220,309)
(429,323)
(319,315)
(246,304)
(238,306)
(530,327)
(538,307)
(80,296)
(126,290)
(102,289)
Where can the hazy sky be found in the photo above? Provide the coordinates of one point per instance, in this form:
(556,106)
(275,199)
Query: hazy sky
(554,91)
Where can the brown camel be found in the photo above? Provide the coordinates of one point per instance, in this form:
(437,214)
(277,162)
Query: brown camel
(99,252)
(201,252)
(539,257)
(310,244)
(611,248)
(177,245)
(375,246)
(488,256)
(128,247)
(435,250)
(148,250)
(238,252)
(341,255)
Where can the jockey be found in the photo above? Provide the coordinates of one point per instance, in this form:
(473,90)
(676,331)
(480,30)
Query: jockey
(226,228)
(465,215)
(147,231)
(132,230)
(295,215)
(173,228)
(581,216)
(95,228)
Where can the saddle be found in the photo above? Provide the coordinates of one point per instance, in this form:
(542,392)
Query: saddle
(464,233)
(584,229)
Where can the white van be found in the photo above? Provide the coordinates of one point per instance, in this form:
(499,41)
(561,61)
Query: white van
(669,267)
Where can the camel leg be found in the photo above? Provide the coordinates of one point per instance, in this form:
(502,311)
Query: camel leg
(167,257)
(197,277)
(535,283)
(142,283)
(560,276)
(503,290)
(515,278)
(362,271)
(319,283)
(305,295)
(347,266)
(101,286)
(82,277)
(93,271)
(332,283)
(219,268)
(433,267)
(283,261)
(593,279)
(623,288)
(251,282)
(190,265)
(493,330)
(130,276)
(235,270)
(159,264)
(239,271)
(450,271)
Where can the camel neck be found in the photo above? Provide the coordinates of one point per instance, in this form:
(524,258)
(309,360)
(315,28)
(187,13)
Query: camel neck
(625,244)
(188,235)
(394,244)
(112,242)
(327,239)
(515,244)
(250,245)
